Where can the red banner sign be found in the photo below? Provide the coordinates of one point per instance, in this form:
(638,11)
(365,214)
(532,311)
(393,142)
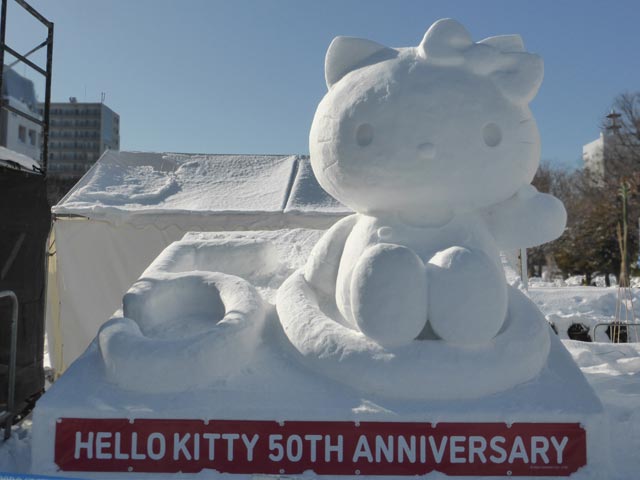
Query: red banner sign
(326,448)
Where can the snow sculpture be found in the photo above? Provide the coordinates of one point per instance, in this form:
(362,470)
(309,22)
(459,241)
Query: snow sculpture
(181,331)
(404,303)
(434,147)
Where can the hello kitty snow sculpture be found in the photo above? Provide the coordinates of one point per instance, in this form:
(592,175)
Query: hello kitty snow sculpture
(434,147)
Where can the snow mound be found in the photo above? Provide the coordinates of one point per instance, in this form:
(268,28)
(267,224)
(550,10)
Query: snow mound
(613,370)
(587,305)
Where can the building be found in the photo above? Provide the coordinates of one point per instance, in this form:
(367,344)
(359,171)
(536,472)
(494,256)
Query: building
(607,154)
(78,134)
(593,156)
(16,132)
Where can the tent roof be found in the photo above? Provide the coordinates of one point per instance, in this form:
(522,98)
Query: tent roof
(125,184)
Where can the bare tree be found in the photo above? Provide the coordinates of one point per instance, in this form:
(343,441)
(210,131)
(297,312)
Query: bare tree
(624,124)
(603,206)
(589,244)
(622,172)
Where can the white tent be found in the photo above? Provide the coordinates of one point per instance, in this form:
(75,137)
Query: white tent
(131,205)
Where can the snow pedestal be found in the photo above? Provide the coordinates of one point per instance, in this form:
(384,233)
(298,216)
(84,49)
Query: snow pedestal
(269,380)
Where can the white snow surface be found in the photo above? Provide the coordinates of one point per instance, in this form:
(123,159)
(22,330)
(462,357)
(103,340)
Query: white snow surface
(125,184)
(10,158)
(217,318)
(565,306)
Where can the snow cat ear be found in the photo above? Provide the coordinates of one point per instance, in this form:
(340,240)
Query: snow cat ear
(517,73)
(519,77)
(505,43)
(346,54)
(445,42)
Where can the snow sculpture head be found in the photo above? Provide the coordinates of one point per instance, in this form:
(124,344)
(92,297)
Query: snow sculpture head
(443,126)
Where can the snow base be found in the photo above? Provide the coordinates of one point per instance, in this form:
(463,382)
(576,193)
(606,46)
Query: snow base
(275,381)
(276,387)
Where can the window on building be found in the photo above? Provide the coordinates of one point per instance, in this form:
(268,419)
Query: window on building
(32,137)
(22,134)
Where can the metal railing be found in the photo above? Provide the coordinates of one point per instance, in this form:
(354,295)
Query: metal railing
(617,329)
(6,417)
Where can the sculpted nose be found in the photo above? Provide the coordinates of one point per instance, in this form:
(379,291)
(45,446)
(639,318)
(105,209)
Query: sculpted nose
(427,151)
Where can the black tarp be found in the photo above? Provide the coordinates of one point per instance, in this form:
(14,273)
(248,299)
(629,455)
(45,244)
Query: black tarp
(25,220)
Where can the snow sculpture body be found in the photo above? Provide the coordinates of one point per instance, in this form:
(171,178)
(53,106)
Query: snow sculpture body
(434,147)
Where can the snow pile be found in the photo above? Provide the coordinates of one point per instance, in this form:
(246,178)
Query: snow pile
(613,370)
(586,305)
(264,259)
(15,453)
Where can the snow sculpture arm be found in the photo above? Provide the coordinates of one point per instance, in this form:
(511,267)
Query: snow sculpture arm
(527,219)
(321,269)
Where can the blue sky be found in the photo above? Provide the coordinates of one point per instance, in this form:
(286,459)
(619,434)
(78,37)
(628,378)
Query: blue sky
(245,76)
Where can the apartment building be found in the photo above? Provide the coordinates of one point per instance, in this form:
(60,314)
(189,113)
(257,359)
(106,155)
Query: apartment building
(78,134)
(610,152)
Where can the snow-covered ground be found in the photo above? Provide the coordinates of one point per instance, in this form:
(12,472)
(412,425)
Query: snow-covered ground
(614,372)
(612,369)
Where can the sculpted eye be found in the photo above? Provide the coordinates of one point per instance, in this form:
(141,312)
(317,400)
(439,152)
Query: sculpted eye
(364,134)
(492,134)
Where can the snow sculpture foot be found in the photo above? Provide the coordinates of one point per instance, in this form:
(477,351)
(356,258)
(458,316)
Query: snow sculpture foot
(182,331)
(468,296)
(389,294)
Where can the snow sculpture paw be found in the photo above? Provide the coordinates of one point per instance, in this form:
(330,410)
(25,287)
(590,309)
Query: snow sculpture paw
(468,297)
(181,331)
(399,294)
(434,147)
